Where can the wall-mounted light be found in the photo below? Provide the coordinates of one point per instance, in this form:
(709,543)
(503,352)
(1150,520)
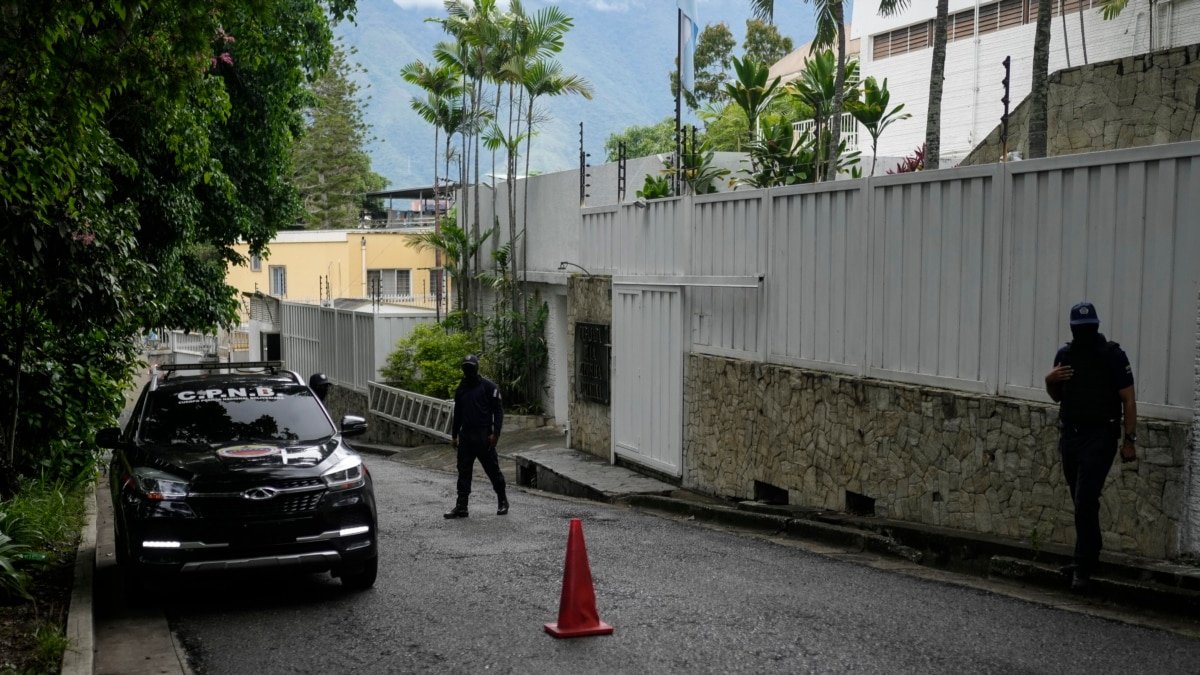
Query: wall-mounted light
(562,266)
(641,203)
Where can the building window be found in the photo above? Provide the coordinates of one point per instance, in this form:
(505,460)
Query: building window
(436,282)
(993,16)
(390,282)
(255,263)
(592,356)
(278,280)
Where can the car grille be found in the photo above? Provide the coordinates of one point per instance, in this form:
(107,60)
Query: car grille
(227,502)
(240,508)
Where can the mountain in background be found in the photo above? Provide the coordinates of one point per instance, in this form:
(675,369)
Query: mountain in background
(624,48)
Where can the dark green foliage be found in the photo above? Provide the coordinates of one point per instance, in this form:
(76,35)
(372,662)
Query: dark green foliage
(764,43)
(714,51)
(332,170)
(642,141)
(139,142)
(655,187)
(428,361)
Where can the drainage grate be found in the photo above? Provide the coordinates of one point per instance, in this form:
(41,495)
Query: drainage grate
(770,494)
(860,505)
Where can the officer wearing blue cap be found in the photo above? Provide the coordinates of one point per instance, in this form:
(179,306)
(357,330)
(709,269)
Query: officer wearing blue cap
(1092,382)
(475,429)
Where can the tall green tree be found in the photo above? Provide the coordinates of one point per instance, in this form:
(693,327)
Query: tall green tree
(937,75)
(642,140)
(332,170)
(712,61)
(139,142)
(1041,81)
(764,43)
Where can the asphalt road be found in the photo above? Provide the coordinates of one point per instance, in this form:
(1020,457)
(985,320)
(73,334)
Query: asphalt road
(472,596)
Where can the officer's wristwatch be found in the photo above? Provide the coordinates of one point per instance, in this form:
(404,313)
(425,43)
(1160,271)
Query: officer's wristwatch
(1131,438)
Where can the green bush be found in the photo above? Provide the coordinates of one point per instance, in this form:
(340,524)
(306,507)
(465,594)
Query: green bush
(428,361)
(38,526)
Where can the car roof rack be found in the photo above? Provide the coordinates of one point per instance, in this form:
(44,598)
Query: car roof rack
(164,371)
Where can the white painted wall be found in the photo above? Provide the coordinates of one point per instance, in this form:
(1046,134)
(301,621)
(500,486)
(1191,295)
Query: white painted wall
(971,105)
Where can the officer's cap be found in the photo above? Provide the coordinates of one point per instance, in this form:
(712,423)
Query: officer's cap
(1084,314)
(470,360)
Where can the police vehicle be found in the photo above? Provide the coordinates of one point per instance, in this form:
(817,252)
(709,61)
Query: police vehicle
(228,467)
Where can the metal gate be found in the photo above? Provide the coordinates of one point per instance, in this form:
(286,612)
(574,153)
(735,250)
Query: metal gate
(648,376)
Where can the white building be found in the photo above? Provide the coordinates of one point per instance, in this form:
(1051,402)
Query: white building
(980,35)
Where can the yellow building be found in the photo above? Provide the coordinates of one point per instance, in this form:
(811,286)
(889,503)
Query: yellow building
(319,265)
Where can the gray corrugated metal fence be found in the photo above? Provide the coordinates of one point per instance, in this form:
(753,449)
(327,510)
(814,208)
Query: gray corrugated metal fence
(958,278)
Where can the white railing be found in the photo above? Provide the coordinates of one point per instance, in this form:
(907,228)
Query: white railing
(849,132)
(426,414)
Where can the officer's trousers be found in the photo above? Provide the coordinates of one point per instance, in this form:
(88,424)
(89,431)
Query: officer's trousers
(473,445)
(1087,456)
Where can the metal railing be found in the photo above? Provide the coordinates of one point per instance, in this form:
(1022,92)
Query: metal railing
(426,414)
(849,130)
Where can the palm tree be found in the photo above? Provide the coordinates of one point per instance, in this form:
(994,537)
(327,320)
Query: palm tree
(814,88)
(441,87)
(831,30)
(873,114)
(458,248)
(1041,82)
(937,75)
(475,28)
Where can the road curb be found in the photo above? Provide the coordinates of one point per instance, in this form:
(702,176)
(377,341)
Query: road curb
(79,656)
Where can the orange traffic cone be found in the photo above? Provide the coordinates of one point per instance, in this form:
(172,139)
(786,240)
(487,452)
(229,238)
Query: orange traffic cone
(577,615)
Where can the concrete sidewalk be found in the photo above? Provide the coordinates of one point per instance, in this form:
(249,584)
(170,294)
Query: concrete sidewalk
(1152,593)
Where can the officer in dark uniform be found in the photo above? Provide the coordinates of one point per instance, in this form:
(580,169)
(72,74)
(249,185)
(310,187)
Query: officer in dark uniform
(478,416)
(1093,383)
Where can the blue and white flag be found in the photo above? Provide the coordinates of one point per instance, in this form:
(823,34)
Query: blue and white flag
(689,35)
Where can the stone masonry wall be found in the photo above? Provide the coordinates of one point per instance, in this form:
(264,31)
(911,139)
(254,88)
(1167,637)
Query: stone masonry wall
(1138,100)
(589,299)
(979,463)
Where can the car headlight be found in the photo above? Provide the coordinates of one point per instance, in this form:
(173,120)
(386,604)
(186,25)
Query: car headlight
(346,475)
(158,485)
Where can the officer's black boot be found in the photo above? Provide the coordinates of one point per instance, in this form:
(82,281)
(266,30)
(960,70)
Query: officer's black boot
(502,503)
(459,510)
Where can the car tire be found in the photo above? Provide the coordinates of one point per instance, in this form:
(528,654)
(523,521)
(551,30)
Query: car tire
(131,573)
(360,578)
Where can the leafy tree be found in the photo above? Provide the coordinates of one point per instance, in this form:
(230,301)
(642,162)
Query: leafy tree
(332,171)
(764,43)
(139,142)
(712,60)
(642,141)
(937,76)
(872,112)
(427,361)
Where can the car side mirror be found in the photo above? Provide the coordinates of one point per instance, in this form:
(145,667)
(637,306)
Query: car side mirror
(109,437)
(352,425)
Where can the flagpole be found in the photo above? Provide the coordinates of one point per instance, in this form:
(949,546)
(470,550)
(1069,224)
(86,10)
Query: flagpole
(678,95)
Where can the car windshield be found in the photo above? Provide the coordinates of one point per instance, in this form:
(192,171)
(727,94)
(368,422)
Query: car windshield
(209,414)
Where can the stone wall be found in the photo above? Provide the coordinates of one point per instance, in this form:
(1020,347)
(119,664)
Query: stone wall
(589,300)
(980,463)
(1138,100)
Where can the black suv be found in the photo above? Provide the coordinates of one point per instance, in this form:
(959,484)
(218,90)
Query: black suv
(239,467)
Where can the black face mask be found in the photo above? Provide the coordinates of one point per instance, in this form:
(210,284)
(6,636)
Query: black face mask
(1085,336)
(470,372)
